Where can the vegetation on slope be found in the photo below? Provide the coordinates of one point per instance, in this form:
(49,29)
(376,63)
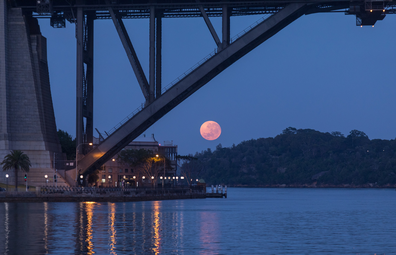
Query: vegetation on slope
(301,157)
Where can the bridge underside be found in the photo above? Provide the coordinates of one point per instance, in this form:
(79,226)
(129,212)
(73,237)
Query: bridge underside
(160,101)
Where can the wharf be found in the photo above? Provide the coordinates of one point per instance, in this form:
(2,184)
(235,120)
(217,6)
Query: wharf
(217,191)
(100,195)
(216,195)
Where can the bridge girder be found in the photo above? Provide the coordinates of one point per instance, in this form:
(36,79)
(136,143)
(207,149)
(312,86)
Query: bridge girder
(173,9)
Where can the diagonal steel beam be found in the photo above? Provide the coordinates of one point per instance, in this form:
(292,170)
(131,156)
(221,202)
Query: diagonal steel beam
(131,53)
(208,23)
(188,85)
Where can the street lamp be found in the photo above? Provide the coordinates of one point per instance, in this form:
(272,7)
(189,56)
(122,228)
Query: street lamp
(163,180)
(136,183)
(90,144)
(46,179)
(81,179)
(109,179)
(7,180)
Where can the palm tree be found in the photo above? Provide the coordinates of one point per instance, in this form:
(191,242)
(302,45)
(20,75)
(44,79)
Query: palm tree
(16,160)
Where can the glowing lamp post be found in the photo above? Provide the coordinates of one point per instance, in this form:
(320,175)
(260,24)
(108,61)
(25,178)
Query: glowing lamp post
(109,179)
(7,180)
(90,144)
(137,183)
(46,179)
(163,180)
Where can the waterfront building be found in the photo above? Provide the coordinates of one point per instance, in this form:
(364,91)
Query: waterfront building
(115,173)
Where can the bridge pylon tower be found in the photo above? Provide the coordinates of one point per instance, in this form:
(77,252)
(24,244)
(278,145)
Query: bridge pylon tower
(27,121)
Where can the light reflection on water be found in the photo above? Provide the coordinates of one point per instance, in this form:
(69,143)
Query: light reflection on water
(249,221)
(156,227)
(89,206)
(209,232)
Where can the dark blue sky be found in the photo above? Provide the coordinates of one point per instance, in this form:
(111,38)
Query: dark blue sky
(321,72)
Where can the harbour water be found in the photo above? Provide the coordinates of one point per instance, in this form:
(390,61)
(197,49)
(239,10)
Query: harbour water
(249,221)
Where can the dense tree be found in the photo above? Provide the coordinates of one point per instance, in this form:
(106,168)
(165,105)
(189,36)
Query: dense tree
(299,157)
(145,163)
(189,171)
(16,160)
(68,145)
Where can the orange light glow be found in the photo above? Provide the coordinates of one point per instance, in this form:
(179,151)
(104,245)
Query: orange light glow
(156,228)
(112,229)
(89,206)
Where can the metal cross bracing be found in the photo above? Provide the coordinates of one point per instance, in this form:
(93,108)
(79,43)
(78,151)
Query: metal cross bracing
(66,9)
(159,100)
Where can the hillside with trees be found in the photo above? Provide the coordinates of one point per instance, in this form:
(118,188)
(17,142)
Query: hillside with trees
(301,157)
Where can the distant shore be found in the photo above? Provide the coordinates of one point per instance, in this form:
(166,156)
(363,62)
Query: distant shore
(352,186)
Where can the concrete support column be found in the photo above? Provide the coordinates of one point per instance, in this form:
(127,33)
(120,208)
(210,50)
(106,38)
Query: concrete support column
(27,121)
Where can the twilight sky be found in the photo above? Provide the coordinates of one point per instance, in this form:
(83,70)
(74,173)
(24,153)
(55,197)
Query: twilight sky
(321,72)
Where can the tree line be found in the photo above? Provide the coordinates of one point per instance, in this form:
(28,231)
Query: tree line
(299,157)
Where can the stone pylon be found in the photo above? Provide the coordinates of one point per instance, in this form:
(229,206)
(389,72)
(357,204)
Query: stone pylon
(27,120)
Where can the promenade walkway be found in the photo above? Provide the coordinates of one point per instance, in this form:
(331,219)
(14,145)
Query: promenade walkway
(81,194)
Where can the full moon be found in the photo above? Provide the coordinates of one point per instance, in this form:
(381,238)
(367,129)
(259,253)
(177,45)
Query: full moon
(210,130)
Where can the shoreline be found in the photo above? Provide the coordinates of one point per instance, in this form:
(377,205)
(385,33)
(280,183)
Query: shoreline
(62,194)
(59,198)
(346,186)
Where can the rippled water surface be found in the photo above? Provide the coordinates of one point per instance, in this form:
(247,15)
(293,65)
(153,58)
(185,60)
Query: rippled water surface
(249,221)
